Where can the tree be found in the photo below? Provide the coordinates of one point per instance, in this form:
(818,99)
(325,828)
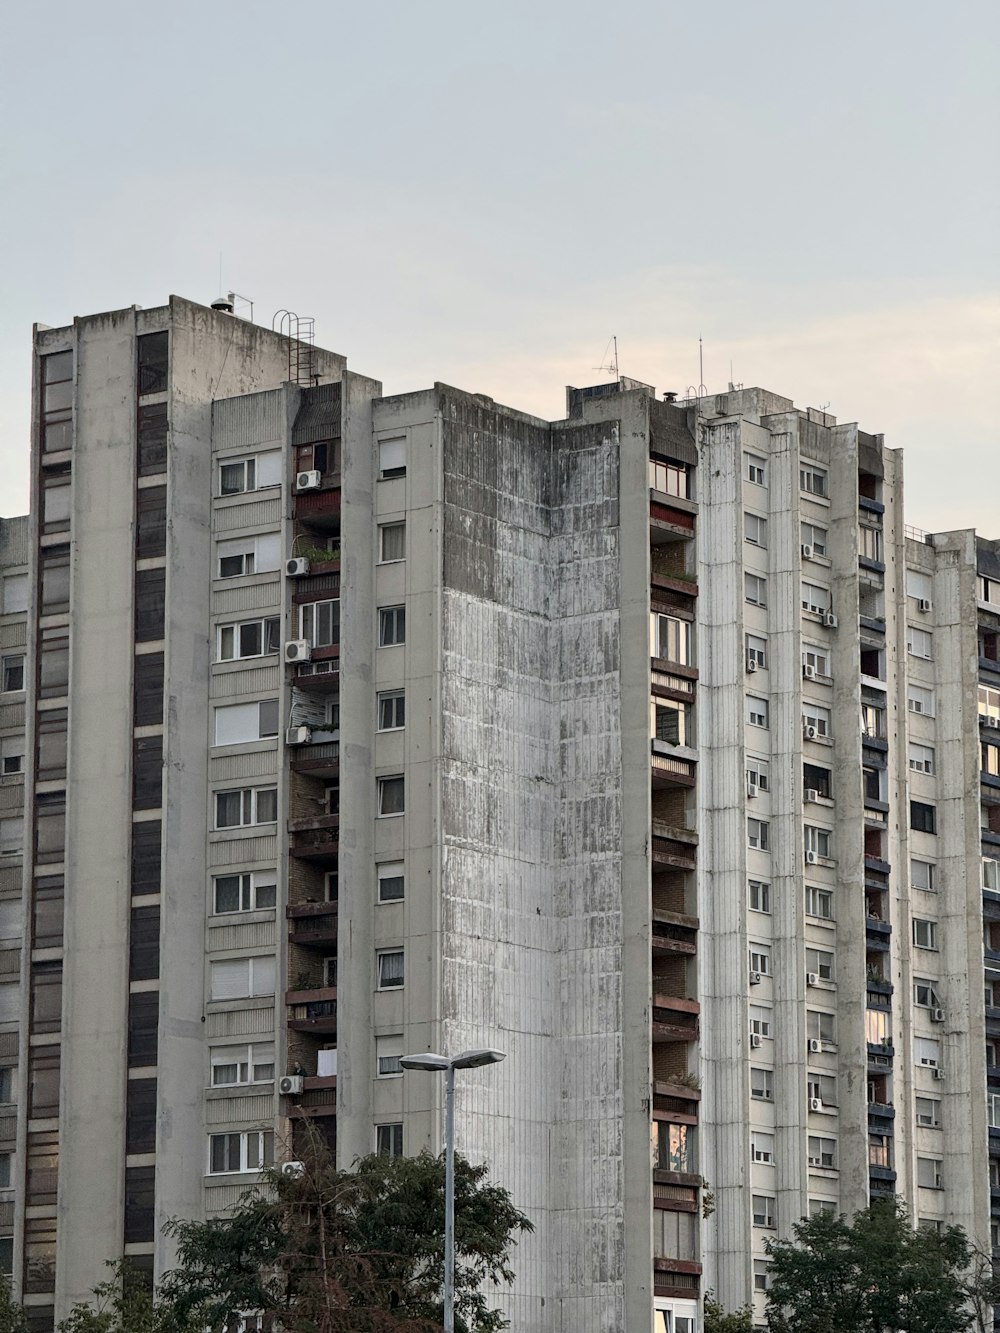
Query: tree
(871,1275)
(122,1304)
(12,1317)
(330,1251)
(718,1321)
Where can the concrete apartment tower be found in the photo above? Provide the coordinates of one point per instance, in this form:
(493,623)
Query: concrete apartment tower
(642,745)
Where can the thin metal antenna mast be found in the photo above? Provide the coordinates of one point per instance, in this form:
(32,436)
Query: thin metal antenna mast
(702,391)
(611,367)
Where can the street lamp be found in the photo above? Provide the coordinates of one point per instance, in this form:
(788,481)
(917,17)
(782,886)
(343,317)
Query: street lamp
(438,1064)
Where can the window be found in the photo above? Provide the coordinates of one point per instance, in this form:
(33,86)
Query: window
(244,893)
(669,478)
(12,665)
(6,1084)
(391,710)
(919,642)
(988,702)
(319,623)
(673,1147)
(391,881)
(873,721)
(928,1112)
(924,993)
(929,1173)
(923,818)
(760,895)
(389,1140)
(817,718)
(989,759)
(755,529)
(249,638)
(817,780)
(815,598)
(819,1206)
(318,456)
(15,594)
(878,1027)
(991,874)
(392,542)
(755,469)
(391,625)
(927,1052)
(823,1087)
(919,700)
(764,1210)
(250,474)
(920,758)
(820,961)
(239,978)
(757,650)
(924,933)
(390,969)
(392,463)
(757,832)
(919,585)
(249,1151)
(820,1026)
(822,1152)
(237,724)
(817,840)
(249,555)
(814,536)
(153,351)
(993,1110)
(760,1021)
(815,658)
(391,795)
(762,1147)
(819,903)
(57,502)
(670,722)
(246,805)
(56,374)
(761,1275)
(670,638)
(760,959)
(870,543)
(923,876)
(812,479)
(755,589)
(151,439)
(234,1065)
(11,835)
(756,711)
(388,1053)
(761,1084)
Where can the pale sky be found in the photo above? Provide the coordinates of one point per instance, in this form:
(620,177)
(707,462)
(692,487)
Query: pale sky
(484,194)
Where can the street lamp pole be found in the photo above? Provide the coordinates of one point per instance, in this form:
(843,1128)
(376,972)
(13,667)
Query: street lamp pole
(441,1064)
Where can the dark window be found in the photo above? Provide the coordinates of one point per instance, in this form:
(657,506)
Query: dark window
(148,690)
(146,857)
(52,744)
(143,1019)
(55,580)
(48,908)
(389,1140)
(43,1081)
(57,499)
(43,1166)
(50,827)
(140,1187)
(57,401)
(53,663)
(144,944)
(12,665)
(151,433)
(151,522)
(150,593)
(923,818)
(147,772)
(153,351)
(816,779)
(46,997)
(391,625)
(140,1115)
(873,783)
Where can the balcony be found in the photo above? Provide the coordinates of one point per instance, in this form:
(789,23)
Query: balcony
(315,839)
(881,1111)
(677,1278)
(674,847)
(320,509)
(674,932)
(320,759)
(673,589)
(313,1011)
(312,924)
(670,769)
(675,1019)
(318,1100)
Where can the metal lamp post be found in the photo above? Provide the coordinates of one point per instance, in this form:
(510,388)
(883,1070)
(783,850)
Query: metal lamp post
(439,1064)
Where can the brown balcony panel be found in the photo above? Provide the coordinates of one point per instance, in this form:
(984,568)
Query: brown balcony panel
(668,770)
(666,852)
(317,931)
(321,760)
(669,584)
(315,839)
(675,1092)
(676,1198)
(318,1099)
(673,1027)
(312,1010)
(320,509)
(313,678)
(667,523)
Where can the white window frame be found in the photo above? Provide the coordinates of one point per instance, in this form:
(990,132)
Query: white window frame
(260,977)
(925,994)
(813,479)
(391,457)
(257,555)
(870,543)
(761,1084)
(920,643)
(755,469)
(925,933)
(818,658)
(927,1052)
(244,723)
(755,589)
(919,585)
(920,758)
(256,1151)
(920,700)
(930,885)
(671,638)
(12,668)
(250,801)
(389,536)
(385,969)
(758,836)
(669,478)
(929,1167)
(230,635)
(930,1117)
(762,1147)
(390,708)
(382,791)
(813,715)
(254,472)
(15,589)
(755,529)
(388,1053)
(756,650)
(812,534)
(819,840)
(391,618)
(250,1061)
(388,872)
(759,896)
(821,1025)
(758,713)
(319,622)
(821,1150)
(991,874)
(819,902)
(758,773)
(822,962)
(760,959)
(250,885)
(815,597)
(760,1021)
(764,1208)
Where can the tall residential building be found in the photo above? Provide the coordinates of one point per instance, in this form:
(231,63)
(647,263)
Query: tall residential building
(642,745)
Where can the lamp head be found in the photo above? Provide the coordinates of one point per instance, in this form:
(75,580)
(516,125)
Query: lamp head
(424,1060)
(473,1059)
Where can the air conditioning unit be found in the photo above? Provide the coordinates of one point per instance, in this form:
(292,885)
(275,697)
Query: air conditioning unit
(297,567)
(808,672)
(815,1104)
(810,795)
(752,788)
(298,650)
(815,1045)
(992,721)
(807,551)
(811,857)
(830,620)
(808,731)
(751,665)
(755,1039)
(298,736)
(937,1015)
(292,1085)
(938,1074)
(308,481)
(292,1169)
(923,604)
(754,978)
(812,978)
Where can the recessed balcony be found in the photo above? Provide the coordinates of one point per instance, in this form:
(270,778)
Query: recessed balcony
(313,1010)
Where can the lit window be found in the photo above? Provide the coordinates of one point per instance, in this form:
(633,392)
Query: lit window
(673,1147)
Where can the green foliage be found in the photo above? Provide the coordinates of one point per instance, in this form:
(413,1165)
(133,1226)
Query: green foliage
(717,1320)
(12,1317)
(122,1304)
(874,1274)
(360,1251)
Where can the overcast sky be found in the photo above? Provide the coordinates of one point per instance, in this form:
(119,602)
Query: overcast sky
(484,194)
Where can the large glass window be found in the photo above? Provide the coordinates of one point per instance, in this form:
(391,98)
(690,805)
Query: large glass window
(319,623)
(57,401)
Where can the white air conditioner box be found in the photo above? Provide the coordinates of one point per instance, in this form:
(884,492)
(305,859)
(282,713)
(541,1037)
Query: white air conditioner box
(937,1015)
(830,619)
(810,795)
(298,650)
(754,978)
(807,551)
(326,1063)
(808,731)
(923,604)
(938,1074)
(752,788)
(811,858)
(992,721)
(751,665)
(815,1104)
(755,1039)
(812,978)
(292,1169)
(297,567)
(292,1085)
(308,481)
(815,1045)
(298,736)
(808,672)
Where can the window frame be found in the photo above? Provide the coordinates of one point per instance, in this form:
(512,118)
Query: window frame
(250,883)
(391,618)
(390,708)
(250,800)
(268,627)
(388,533)
(257,1143)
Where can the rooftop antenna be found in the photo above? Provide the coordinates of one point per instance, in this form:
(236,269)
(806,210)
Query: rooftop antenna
(702,391)
(610,367)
